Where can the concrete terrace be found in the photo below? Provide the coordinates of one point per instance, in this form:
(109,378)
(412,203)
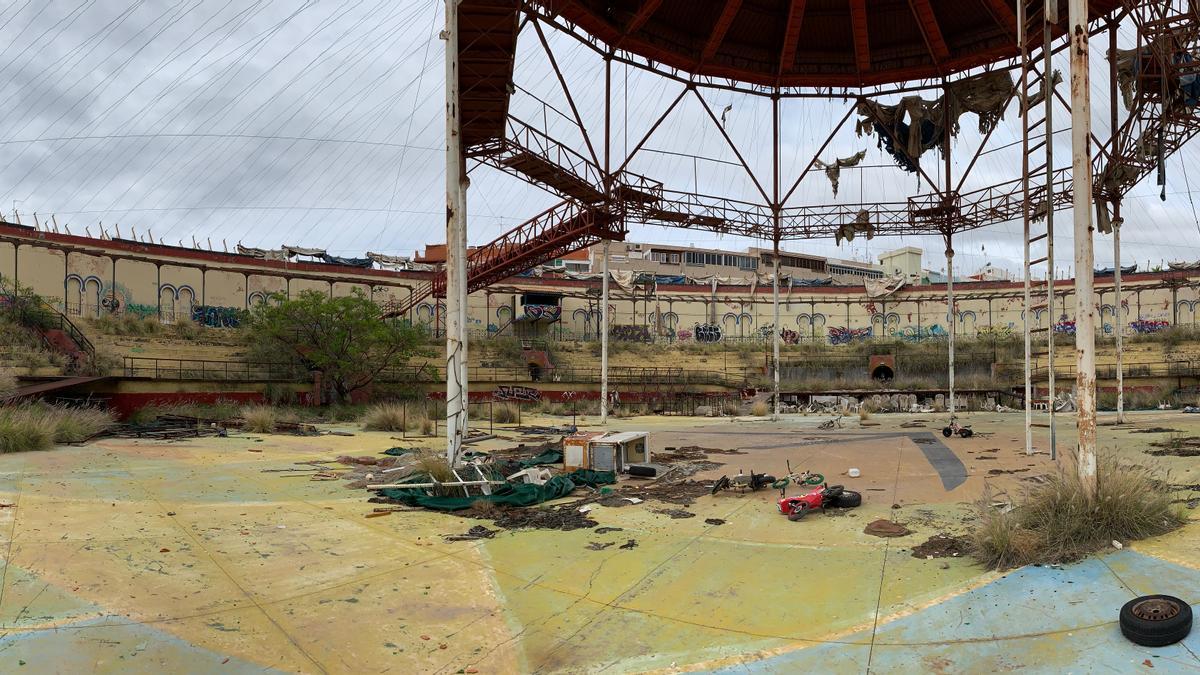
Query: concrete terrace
(141,556)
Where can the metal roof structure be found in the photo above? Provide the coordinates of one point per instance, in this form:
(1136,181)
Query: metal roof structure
(809,43)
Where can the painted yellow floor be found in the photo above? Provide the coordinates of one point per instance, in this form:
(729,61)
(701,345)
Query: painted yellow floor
(135,556)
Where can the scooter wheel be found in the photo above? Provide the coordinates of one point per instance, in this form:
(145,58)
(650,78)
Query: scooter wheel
(947,432)
(966,433)
(798,512)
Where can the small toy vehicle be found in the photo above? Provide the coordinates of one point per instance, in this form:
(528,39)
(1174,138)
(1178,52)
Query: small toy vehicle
(798,506)
(742,482)
(802,478)
(963,430)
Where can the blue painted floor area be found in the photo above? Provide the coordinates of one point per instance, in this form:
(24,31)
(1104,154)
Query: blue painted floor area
(1036,619)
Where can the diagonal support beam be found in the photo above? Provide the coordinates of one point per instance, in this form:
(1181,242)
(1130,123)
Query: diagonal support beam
(791,35)
(1004,15)
(645,11)
(719,29)
(930,30)
(862,43)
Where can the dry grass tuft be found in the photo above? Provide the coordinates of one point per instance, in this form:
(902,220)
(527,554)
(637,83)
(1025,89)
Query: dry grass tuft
(760,409)
(8,382)
(1056,523)
(384,417)
(504,413)
(259,419)
(39,427)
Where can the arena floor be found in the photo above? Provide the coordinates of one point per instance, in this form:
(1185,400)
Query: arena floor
(201,555)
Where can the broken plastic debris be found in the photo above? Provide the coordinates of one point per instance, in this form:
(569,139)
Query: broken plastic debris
(1118,545)
(854,472)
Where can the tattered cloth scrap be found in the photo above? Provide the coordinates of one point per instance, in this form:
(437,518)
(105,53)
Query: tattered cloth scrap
(262,253)
(878,288)
(1040,95)
(520,494)
(399,262)
(912,126)
(861,223)
(833,171)
(300,250)
(1110,271)
(345,262)
(1184,266)
(623,278)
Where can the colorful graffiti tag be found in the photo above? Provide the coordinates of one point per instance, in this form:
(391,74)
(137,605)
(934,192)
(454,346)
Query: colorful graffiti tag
(683,335)
(507,392)
(915,334)
(790,337)
(218,317)
(1147,326)
(839,335)
(1065,327)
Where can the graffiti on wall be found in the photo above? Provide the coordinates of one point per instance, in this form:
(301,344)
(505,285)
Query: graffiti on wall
(1065,327)
(917,334)
(1148,326)
(706,332)
(788,336)
(548,312)
(218,317)
(630,333)
(999,332)
(839,335)
(506,392)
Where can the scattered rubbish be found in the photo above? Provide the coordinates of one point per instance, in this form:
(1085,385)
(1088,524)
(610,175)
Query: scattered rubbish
(1177,446)
(632,543)
(854,472)
(998,472)
(913,424)
(1158,430)
(742,482)
(586,507)
(476,532)
(606,530)
(941,546)
(1117,545)
(378,514)
(164,550)
(253,449)
(169,513)
(598,545)
(675,514)
(534,475)
(714,521)
(886,528)
(632,500)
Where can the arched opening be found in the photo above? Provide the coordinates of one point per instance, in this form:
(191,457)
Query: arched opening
(882,373)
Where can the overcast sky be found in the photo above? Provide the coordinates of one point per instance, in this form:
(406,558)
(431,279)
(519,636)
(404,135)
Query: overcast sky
(319,123)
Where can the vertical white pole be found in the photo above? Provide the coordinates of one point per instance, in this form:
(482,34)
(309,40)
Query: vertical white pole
(952,314)
(1081,180)
(456,251)
(604,337)
(1022,30)
(1118,324)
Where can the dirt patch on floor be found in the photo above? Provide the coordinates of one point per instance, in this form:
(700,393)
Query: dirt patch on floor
(692,453)
(714,521)
(1178,446)
(886,528)
(566,517)
(1001,472)
(1155,430)
(941,546)
(675,514)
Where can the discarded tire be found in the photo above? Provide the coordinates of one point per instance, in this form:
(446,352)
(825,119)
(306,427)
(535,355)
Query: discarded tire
(798,512)
(849,499)
(834,491)
(1156,620)
(642,470)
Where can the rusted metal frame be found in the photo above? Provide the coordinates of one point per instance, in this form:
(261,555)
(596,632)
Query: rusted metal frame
(821,92)
(537,26)
(817,155)
(732,145)
(983,144)
(1004,16)
(1116,222)
(931,33)
(654,127)
(1101,148)
(720,28)
(791,35)
(776,206)
(862,40)
(645,11)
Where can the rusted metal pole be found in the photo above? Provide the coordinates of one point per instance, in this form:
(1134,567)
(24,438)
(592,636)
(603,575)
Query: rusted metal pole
(1026,212)
(775,208)
(456,251)
(1118,325)
(604,248)
(1085,312)
(953,316)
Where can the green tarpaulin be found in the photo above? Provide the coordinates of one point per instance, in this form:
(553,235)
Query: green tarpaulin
(552,456)
(523,494)
(592,478)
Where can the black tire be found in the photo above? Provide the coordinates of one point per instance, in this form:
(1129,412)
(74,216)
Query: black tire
(848,500)
(947,432)
(966,433)
(798,512)
(721,484)
(834,491)
(1156,620)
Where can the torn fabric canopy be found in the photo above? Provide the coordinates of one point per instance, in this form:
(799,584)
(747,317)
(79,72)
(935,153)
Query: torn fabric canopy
(861,223)
(262,253)
(879,288)
(833,171)
(300,250)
